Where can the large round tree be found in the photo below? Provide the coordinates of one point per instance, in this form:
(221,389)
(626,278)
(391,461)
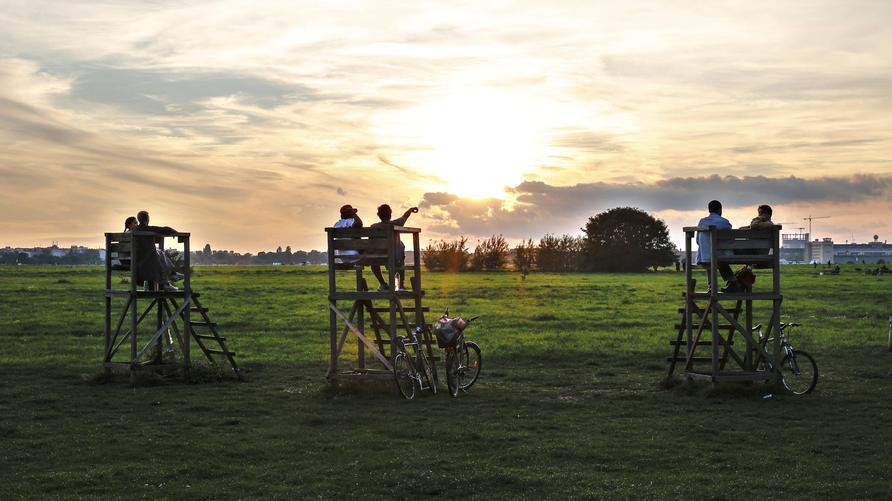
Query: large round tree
(626,239)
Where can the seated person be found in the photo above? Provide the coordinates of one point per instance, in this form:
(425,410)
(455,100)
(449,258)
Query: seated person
(704,252)
(762,221)
(385,213)
(349,219)
(152,265)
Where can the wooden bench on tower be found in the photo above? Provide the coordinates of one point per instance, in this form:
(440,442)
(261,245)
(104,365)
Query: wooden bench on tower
(167,344)
(388,312)
(723,326)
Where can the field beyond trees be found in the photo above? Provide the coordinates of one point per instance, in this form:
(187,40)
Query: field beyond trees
(569,403)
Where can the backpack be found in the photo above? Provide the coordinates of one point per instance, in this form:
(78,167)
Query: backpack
(746,277)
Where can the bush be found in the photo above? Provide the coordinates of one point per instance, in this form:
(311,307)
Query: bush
(446,256)
(558,253)
(525,257)
(491,254)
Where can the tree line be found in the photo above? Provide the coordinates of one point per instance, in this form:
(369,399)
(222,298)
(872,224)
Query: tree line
(279,256)
(623,239)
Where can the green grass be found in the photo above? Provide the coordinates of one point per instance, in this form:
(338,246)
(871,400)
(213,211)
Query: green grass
(568,405)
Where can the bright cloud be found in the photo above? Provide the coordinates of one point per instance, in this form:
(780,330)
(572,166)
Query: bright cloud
(250,123)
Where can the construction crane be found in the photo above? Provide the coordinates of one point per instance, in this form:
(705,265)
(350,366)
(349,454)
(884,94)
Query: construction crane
(809,219)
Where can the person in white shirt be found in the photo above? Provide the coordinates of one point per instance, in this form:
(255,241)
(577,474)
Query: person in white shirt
(349,219)
(704,252)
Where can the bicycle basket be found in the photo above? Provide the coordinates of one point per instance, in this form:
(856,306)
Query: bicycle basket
(447,334)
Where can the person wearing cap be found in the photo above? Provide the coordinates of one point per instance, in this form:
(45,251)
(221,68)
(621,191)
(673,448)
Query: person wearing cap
(349,219)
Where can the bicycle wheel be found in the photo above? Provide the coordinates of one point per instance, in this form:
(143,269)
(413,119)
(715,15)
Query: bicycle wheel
(403,375)
(452,367)
(470,364)
(800,373)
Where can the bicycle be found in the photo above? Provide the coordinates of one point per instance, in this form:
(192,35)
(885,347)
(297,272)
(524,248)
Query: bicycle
(799,372)
(411,370)
(463,361)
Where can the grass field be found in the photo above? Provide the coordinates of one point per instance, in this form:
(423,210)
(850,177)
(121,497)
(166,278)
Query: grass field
(568,406)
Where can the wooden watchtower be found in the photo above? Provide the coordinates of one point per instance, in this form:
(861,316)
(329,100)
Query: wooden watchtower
(715,337)
(169,346)
(354,249)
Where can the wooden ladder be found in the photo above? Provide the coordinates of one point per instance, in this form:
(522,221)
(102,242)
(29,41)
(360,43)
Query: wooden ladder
(212,336)
(687,358)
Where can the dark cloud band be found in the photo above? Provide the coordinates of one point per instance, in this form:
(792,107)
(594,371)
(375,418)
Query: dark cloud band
(540,207)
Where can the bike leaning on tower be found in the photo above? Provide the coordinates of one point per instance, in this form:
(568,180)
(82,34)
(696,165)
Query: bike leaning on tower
(463,361)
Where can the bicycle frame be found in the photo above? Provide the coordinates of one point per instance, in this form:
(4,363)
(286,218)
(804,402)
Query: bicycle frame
(785,343)
(415,358)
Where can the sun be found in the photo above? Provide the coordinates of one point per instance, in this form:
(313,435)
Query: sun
(480,141)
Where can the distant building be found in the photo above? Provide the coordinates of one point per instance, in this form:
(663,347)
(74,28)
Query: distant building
(822,251)
(796,248)
(870,253)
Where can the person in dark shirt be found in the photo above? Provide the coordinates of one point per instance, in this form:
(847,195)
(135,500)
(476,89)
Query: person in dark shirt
(385,213)
(152,265)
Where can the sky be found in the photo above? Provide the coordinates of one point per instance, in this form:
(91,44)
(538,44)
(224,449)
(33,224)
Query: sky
(249,124)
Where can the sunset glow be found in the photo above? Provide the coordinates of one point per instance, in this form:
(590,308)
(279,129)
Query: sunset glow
(250,124)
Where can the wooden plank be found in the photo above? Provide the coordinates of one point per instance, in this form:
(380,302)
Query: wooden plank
(406,229)
(356,232)
(746,259)
(379,244)
(343,337)
(186,312)
(408,309)
(358,334)
(691,359)
(681,326)
(684,343)
(744,234)
(144,294)
(371,295)
(735,296)
(205,336)
(348,376)
(162,330)
(748,336)
(754,244)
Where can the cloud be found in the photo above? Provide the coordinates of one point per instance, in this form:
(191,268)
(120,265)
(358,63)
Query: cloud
(250,122)
(540,208)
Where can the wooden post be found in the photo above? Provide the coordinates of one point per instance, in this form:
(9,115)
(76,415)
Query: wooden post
(714,320)
(360,310)
(187,299)
(108,304)
(391,263)
(332,318)
(133,310)
(416,290)
(157,351)
(689,297)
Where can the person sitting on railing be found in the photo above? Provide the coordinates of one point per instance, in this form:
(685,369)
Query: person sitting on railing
(762,221)
(704,250)
(349,219)
(385,213)
(152,265)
